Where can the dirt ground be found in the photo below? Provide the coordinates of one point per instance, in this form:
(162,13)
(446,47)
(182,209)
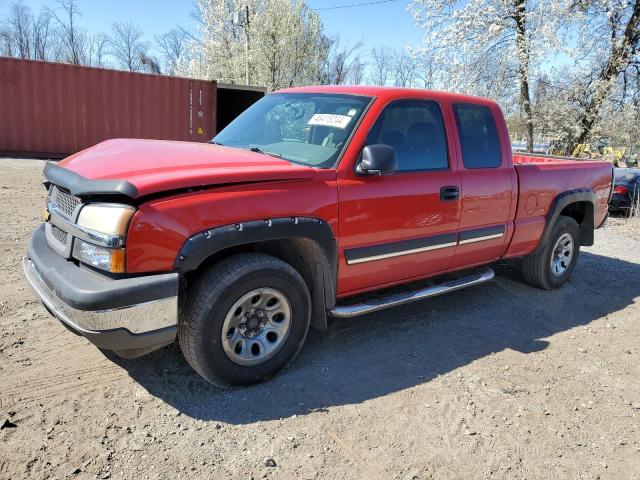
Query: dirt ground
(498,381)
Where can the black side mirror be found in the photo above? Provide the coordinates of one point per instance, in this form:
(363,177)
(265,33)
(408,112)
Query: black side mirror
(378,159)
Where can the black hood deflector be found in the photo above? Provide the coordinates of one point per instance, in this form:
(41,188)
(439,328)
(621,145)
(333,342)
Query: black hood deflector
(85,187)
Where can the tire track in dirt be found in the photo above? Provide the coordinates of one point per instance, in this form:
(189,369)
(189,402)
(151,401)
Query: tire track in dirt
(102,374)
(68,369)
(367,467)
(55,386)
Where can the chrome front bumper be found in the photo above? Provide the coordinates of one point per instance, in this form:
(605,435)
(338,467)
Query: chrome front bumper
(125,315)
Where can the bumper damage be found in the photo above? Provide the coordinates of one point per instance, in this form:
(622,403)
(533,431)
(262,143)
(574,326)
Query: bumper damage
(131,316)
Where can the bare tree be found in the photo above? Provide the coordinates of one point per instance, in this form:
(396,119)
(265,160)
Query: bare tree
(20,23)
(26,36)
(427,71)
(98,50)
(72,37)
(173,47)
(341,60)
(381,65)
(404,69)
(57,49)
(127,46)
(357,70)
(6,42)
(42,31)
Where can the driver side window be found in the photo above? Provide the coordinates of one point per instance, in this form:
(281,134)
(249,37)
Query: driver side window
(415,129)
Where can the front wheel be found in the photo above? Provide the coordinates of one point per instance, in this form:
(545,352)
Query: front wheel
(244,319)
(552,266)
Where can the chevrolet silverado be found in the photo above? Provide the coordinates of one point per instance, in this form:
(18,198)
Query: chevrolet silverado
(310,199)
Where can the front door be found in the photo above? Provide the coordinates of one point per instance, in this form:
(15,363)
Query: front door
(403,225)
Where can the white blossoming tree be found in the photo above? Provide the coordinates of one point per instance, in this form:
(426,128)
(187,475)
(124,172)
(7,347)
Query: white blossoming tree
(277,43)
(491,47)
(570,68)
(604,74)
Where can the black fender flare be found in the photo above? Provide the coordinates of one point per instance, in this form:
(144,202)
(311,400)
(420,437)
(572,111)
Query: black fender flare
(199,247)
(559,203)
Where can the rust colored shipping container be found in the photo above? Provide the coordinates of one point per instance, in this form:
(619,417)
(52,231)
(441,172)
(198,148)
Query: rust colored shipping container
(53,109)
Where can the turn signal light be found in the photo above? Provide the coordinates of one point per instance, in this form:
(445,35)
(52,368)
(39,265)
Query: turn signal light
(108,259)
(116,263)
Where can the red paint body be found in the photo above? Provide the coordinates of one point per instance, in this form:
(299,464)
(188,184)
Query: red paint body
(362,211)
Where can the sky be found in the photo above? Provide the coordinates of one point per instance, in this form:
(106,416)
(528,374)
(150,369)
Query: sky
(388,23)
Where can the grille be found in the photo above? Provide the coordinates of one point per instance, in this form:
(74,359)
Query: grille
(59,235)
(65,202)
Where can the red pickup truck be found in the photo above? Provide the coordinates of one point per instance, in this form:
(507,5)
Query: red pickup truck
(310,198)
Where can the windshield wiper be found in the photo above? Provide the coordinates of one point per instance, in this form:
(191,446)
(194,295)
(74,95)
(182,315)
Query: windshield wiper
(259,150)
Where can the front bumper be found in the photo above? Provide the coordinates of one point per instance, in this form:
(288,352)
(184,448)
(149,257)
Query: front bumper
(132,315)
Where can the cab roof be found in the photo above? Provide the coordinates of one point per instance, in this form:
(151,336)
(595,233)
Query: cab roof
(388,92)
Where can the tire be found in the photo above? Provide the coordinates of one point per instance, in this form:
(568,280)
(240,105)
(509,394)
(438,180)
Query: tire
(538,270)
(280,317)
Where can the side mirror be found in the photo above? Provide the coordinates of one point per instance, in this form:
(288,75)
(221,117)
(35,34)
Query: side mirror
(378,159)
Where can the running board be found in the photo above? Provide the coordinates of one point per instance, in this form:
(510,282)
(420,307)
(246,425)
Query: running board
(393,300)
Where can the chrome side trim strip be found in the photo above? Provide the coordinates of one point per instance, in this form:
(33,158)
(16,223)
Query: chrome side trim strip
(458,241)
(85,234)
(401,252)
(480,239)
(393,300)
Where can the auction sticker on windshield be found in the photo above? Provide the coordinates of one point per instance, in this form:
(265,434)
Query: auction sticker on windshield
(329,120)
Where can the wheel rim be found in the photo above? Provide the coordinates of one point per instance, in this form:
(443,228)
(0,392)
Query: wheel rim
(256,326)
(562,255)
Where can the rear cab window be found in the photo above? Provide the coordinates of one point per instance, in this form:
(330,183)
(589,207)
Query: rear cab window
(478,134)
(415,130)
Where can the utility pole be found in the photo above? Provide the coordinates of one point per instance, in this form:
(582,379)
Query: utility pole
(246,58)
(241,18)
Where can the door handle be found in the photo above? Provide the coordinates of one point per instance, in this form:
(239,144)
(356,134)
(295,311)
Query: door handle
(449,193)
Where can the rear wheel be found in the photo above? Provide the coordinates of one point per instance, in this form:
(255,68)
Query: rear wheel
(244,319)
(553,265)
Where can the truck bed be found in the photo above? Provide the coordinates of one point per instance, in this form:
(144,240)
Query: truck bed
(528,158)
(540,179)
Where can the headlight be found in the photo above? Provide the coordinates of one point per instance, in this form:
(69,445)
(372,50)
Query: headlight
(109,259)
(100,221)
(111,219)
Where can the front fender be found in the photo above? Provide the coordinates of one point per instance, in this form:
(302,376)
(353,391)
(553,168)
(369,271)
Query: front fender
(201,246)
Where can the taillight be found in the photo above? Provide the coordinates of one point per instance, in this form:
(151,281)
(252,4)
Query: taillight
(620,190)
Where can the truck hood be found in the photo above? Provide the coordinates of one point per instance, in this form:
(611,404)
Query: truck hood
(142,167)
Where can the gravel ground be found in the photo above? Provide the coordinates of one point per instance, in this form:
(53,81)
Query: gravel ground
(498,381)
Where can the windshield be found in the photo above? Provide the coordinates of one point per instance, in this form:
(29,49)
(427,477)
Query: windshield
(306,128)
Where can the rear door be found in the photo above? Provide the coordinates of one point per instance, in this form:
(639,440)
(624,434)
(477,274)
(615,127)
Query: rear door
(489,184)
(403,225)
